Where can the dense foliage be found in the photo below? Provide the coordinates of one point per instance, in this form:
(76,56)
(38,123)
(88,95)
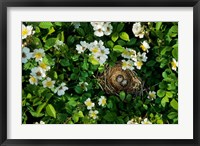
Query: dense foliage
(62,60)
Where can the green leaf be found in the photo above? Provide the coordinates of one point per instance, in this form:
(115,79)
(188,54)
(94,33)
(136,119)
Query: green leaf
(55,75)
(132,42)
(40,108)
(61,36)
(110,44)
(158,25)
(50,111)
(50,43)
(110,104)
(151,63)
(80,114)
(169,94)
(70,40)
(174,104)
(121,42)
(118,48)
(160,93)
(61,117)
(110,116)
(120,26)
(80,31)
(75,118)
(48,60)
(35,114)
(77,115)
(73,76)
(165,49)
(175,53)
(51,30)
(78,90)
(122,95)
(72,103)
(35,42)
(164,101)
(64,62)
(172,115)
(173,31)
(58,23)
(114,37)
(85,65)
(124,36)
(101,69)
(45,25)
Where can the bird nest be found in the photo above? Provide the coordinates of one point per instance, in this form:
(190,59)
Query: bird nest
(114,80)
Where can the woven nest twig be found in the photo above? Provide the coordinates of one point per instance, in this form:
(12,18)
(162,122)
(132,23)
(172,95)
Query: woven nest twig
(114,79)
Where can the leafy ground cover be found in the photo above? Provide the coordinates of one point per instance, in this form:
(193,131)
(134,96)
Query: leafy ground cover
(61,62)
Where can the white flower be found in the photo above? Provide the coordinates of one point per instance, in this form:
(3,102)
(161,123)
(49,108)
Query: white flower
(95,50)
(146,121)
(142,57)
(58,43)
(174,64)
(138,30)
(127,65)
(98,30)
(129,53)
(26,55)
(93,114)
(145,46)
(102,28)
(94,24)
(44,66)
(76,24)
(102,101)
(41,122)
(83,85)
(89,104)
(38,54)
(48,83)
(138,64)
(38,73)
(60,90)
(152,95)
(33,80)
(107,28)
(130,122)
(82,47)
(102,56)
(26,31)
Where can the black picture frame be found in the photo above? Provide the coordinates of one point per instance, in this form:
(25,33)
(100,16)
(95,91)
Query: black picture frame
(4,4)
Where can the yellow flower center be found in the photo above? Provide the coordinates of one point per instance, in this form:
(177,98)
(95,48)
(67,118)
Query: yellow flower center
(173,64)
(126,53)
(103,101)
(49,83)
(43,65)
(38,55)
(88,103)
(143,47)
(24,31)
(139,63)
(95,50)
(152,95)
(93,115)
(34,80)
(124,64)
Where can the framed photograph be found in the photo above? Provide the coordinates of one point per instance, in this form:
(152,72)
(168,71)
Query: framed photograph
(99,72)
